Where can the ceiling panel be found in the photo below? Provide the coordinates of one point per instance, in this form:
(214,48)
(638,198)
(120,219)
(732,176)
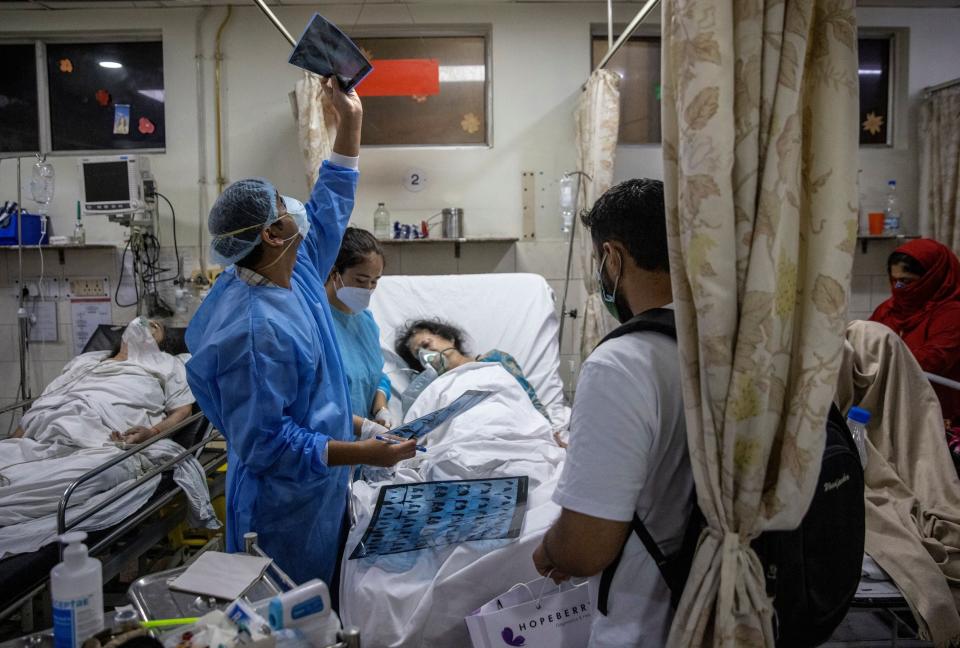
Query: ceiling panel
(84,4)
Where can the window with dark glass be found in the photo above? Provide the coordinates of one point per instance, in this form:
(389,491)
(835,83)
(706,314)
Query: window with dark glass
(425,90)
(874,74)
(19,115)
(106,96)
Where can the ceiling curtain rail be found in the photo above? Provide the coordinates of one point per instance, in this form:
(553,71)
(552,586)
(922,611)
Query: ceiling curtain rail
(645,11)
(940,86)
(276,22)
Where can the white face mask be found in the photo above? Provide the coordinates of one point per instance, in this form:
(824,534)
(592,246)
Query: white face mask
(356,299)
(298,213)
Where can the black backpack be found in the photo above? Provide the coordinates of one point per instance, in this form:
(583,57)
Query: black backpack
(813,571)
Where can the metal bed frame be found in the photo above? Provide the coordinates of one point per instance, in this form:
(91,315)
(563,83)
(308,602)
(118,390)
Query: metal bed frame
(148,535)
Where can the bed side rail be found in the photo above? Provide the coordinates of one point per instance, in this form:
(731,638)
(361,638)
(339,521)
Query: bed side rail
(62,526)
(15,406)
(940,380)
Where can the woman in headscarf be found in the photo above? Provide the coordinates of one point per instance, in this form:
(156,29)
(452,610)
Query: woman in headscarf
(925,311)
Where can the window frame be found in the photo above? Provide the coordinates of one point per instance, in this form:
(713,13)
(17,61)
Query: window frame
(645,30)
(897,93)
(483,30)
(40,41)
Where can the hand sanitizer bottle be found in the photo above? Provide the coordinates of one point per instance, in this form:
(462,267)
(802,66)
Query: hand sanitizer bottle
(76,590)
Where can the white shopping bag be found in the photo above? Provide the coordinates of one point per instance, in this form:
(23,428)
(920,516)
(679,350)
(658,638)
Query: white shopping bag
(534,615)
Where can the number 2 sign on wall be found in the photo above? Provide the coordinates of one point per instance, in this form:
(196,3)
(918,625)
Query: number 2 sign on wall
(415,179)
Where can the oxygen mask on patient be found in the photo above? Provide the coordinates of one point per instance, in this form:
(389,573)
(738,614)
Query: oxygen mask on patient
(142,347)
(434,359)
(433,365)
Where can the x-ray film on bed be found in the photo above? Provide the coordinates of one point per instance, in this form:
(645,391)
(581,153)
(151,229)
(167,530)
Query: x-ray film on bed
(428,422)
(409,517)
(325,50)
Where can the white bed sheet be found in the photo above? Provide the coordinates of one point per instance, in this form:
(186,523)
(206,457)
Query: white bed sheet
(421,598)
(68,433)
(514,312)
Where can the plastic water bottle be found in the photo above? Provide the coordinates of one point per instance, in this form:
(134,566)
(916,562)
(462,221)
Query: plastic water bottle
(567,203)
(381,222)
(857,419)
(76,590)
(891,219)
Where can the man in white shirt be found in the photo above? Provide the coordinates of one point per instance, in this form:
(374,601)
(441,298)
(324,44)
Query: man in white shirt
(628,448)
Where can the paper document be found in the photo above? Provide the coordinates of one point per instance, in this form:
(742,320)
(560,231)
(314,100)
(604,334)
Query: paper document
(87,315)
(225,576)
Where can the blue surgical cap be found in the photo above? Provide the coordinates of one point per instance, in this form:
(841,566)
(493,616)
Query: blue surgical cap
(237,218)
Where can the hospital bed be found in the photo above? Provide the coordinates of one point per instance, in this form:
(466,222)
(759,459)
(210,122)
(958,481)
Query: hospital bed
(26,575)
(420,598)
(515,312)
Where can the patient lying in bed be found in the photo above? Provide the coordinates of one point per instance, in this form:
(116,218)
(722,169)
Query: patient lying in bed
(126,395)
(101,400)
(420,598)
(442,346)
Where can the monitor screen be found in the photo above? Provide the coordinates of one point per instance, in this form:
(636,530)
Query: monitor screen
(106,182)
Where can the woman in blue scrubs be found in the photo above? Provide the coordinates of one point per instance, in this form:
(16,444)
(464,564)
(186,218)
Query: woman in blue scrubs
(265,366)
(350,286)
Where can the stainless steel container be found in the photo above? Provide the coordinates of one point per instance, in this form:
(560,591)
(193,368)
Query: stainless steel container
(452,223)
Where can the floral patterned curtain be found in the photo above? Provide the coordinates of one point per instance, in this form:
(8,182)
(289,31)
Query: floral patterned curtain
(597,122)
(315,124)
(940,167)
(760,158)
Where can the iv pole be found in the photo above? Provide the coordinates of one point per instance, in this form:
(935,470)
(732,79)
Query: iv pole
(25,388)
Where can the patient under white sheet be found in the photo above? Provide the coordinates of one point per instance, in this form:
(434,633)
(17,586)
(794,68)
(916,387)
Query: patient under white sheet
(67,432)
(420,598)
(95,396)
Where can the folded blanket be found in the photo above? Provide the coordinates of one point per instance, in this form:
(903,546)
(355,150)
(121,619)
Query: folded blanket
(912,489)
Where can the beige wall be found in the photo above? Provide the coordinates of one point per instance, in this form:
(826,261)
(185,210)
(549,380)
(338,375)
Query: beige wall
(540,59)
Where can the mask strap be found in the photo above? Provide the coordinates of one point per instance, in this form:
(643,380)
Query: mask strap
(616,282)
(280,256)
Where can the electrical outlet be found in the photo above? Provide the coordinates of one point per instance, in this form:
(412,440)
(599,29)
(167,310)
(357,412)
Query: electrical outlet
(87,287)
(33,288)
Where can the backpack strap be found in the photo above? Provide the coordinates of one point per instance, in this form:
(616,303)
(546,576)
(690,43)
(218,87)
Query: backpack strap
(606,579)
(658,320)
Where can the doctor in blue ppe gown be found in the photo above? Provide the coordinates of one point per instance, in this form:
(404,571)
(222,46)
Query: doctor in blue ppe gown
(266,369)
(350,286)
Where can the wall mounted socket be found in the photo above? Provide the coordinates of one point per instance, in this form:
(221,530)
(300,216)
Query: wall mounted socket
(48,289)
(75,287)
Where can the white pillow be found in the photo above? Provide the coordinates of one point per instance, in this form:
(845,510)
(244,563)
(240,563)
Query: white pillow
(515,313)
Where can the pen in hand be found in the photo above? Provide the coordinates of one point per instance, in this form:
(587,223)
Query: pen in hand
(420,448)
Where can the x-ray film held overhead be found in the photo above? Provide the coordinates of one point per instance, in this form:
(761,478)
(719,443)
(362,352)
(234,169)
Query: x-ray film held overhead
(325,50)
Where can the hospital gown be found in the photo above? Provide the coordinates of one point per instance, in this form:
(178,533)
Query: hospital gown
(267,372)
(508,362)
(359,339)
